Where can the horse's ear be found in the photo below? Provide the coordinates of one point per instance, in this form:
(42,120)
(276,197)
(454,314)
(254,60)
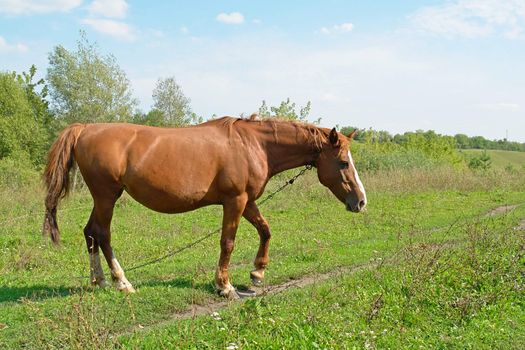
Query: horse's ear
(334,139)
(352,134)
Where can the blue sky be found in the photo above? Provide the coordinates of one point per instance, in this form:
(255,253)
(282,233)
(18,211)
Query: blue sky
(455,66)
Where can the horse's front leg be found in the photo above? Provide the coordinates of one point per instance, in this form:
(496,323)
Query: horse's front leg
(233,209)
(252,214)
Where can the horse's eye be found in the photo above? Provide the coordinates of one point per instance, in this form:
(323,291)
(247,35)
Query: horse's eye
(343,164)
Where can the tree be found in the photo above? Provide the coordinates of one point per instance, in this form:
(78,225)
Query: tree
(22,134)
(88,87)
(359,133)
(36,94)
(169,100)
(462,141)
(287,110)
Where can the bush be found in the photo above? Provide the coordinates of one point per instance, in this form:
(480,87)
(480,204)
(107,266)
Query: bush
(20,130)
(481,162)
(385,158)
(412,150)
(17,170)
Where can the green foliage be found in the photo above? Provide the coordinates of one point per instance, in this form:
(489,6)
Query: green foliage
(479,142)
(389,157)
(171,107)
(378,150)
(499,159)
(37,93)
(287,110)
(480,162)
(153,118)
(359,135)
(460,141)
(17,170)
(23,118)
(88,87)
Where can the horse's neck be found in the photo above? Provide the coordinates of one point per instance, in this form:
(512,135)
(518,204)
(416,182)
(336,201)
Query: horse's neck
(288,147)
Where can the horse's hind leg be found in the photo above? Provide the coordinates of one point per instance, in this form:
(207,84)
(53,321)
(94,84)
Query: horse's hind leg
(252,214)
(102,221)
(95,268)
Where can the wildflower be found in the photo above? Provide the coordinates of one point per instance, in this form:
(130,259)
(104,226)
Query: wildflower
(232,346)
(216,316)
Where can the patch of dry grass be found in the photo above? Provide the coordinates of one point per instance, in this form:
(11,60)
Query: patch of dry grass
(442,178)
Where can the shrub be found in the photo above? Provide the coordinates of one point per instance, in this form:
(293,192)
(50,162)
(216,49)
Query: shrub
(481,162)
(20,130)
(17,170)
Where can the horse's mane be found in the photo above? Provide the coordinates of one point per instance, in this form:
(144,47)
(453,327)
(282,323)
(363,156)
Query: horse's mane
(314,134)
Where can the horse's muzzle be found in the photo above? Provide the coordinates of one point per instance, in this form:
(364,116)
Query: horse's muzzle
(356,207)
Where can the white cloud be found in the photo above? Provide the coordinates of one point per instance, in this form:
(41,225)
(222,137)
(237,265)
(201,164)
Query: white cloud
(473,18)
(6,47)
(108,8)
(230,18)
(338,28)
(27,7)
(119,30)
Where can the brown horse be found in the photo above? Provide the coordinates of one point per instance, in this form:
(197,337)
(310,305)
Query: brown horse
(226,161)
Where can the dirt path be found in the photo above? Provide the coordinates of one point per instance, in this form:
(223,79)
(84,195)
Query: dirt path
(504,209)
(214,306)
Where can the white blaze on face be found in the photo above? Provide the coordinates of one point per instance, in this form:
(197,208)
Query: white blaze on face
(356,175)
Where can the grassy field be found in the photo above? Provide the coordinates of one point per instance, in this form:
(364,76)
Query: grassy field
(422,267)
(501,159)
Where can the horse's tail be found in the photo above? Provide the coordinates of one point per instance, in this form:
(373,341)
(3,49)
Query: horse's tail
(56,176)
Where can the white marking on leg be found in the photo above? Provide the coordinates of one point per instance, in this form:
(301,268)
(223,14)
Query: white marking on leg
(228,290)
(120,279)
(357,179)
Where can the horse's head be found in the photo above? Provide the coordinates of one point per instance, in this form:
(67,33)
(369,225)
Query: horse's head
(336,170)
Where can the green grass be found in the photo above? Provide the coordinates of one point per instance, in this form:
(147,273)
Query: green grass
(466,295)
(312,233)
(502,159)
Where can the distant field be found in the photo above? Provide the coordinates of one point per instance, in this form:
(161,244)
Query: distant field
(501,159)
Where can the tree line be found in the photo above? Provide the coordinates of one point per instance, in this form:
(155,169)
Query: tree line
(459,141)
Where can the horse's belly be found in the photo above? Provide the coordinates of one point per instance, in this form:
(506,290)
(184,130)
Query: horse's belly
(169,202)
(170,194)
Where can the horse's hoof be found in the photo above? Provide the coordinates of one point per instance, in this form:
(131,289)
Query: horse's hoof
(228,292)
(103,284)
(257,277)
(127,290)
(125,287)
(100,284)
